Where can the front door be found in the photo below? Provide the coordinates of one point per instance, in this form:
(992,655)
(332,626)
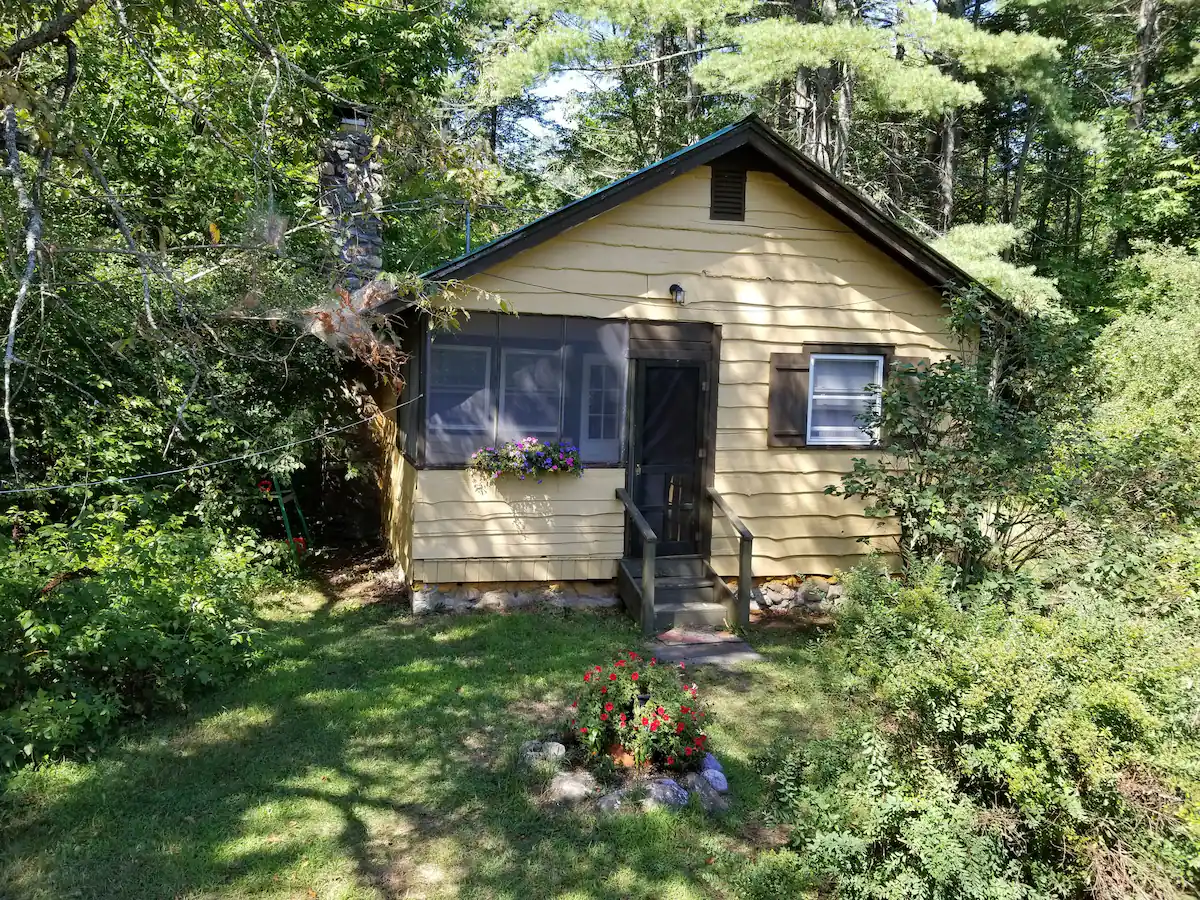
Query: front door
(667,466)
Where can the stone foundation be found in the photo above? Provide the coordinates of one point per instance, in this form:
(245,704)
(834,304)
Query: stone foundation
(504,596)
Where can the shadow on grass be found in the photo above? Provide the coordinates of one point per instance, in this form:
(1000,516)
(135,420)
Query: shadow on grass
(372,758)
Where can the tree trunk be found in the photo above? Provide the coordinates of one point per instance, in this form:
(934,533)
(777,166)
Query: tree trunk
(1014,205)
(1147,40)
(947,147)
(693,90)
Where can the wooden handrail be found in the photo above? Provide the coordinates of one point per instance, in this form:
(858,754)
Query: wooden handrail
(649,545)
(745,555)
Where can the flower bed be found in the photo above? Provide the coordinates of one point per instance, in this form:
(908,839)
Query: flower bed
(641,714)
(636,730)
(527,457)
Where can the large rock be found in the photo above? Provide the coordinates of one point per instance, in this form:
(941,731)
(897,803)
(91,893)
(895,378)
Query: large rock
(664,793)
(462,599)
(717,779)
(496,600)
(710,798)
(711,762)
(778,594)
(428,600)
(572,787)
(613,803)
(550,753)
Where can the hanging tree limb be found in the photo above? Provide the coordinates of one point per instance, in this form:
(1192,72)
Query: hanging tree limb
(49,33)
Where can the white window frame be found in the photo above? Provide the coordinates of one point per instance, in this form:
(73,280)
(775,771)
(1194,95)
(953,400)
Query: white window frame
(866,438)
(487,384)
(595,448)
(506,353)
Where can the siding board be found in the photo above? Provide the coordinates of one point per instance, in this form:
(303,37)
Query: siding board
(790,274)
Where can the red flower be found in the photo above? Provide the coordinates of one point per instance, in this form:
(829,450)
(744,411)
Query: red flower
(620,662)
(653,660)
(679,728)
(645,721)
(634,676)
(700,741)
(583,730)
(603,717)
(654,725)
(608,707)
(597,668)
(612,676)
(685,709)
(633,655)
(660,711)
(587,677)
(670,760)
(682,666)
(574,703)
(604,690)
(687,751)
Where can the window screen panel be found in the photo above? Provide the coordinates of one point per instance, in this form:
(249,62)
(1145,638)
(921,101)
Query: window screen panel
(594,409)
(842,397)
(531,393)
(531,383)
(460,395)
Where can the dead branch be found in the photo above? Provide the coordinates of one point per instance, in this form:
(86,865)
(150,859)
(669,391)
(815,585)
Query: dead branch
(63,577)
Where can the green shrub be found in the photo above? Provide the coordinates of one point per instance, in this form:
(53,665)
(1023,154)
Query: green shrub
(1000,751)
(108,620)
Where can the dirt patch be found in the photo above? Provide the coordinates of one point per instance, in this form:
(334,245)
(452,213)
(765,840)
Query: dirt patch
(361,576)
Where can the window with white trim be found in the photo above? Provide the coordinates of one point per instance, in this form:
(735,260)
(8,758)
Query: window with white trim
(602,409)
(843,392)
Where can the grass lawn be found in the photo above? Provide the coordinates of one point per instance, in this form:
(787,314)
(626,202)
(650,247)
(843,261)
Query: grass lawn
(374,757)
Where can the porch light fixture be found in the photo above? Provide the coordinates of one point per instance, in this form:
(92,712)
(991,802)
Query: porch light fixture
(677,293)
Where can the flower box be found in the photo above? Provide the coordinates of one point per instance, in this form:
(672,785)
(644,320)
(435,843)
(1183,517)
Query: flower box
(528,457)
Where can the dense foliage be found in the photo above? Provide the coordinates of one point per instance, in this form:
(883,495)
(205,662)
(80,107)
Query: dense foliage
(1000,749)
(115,617)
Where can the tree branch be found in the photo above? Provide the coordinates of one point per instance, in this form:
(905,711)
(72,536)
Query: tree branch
(48,33)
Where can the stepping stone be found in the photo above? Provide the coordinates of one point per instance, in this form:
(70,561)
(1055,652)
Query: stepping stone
(725,655)
(697,636)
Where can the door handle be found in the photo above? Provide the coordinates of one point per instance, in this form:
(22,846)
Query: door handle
(637,469)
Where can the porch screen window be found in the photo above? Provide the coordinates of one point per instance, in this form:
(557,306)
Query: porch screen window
(504,377)
(841,396)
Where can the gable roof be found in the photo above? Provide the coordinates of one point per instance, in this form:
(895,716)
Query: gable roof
(752,138)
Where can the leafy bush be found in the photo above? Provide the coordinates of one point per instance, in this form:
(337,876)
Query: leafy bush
(108,620)
(529,456)
(1000,751)
(644,707)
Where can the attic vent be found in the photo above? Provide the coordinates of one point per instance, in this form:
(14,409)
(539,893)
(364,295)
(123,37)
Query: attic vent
(728,198)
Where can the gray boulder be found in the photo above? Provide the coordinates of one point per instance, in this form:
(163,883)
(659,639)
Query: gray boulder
(664,793)
(542,752)
(495,600)
(710,798)
(427,601)
(613,803)
(717,779)
(572,787)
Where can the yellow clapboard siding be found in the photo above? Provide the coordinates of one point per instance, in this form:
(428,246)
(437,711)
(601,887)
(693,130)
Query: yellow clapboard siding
(439,485)
(481,545)
(787,276)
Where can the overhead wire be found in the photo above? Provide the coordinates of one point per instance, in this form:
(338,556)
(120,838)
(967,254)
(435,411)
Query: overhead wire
(42,489)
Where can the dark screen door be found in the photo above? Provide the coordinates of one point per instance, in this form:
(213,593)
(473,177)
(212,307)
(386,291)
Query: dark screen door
(667,465)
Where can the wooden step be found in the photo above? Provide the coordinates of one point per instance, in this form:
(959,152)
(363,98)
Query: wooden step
(679,615)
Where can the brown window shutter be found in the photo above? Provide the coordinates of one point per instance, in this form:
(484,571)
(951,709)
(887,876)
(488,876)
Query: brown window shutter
(787,401)
(727,197)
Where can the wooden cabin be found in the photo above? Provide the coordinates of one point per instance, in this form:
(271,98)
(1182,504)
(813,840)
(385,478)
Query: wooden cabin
(705,332)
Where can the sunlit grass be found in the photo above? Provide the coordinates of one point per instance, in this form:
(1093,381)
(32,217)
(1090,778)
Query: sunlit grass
(373,757)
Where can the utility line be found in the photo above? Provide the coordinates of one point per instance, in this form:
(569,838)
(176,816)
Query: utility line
(208,465)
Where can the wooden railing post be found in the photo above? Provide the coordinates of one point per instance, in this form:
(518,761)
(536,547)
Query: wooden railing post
(745,557)
(648,555)
(745,579)
(649,548)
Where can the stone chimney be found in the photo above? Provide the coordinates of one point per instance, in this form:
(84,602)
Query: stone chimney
(351,184)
